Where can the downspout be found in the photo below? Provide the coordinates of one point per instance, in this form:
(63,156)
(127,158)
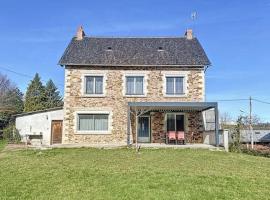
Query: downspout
(128,126)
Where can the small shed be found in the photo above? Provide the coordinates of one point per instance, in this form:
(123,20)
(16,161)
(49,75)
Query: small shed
(43,126)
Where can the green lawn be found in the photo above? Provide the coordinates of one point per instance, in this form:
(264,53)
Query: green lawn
(123,174)
(2,144)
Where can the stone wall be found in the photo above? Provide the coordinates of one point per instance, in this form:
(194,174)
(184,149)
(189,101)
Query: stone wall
(114,100)
(158,127)
(195,127)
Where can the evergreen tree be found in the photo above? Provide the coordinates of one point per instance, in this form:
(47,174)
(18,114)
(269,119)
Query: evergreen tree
(53,95)
(35,97)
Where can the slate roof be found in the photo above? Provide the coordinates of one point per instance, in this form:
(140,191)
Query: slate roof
(177,51)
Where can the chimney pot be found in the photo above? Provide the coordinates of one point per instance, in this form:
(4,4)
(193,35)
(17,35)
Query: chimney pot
(189,34)
(80,33)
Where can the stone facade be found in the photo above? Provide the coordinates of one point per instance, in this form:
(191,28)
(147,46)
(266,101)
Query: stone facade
(115,102)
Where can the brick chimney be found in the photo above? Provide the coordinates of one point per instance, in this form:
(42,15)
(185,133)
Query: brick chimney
(80,33)
(189,34)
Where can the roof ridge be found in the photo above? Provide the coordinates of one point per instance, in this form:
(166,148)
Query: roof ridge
(139,37)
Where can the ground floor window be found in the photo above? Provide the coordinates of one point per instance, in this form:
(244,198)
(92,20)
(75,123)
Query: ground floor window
(93,122)
(175,122)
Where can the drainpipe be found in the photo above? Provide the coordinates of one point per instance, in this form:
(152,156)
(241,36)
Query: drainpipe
(128,126)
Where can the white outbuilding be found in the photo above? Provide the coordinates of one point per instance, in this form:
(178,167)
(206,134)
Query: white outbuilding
(43,127)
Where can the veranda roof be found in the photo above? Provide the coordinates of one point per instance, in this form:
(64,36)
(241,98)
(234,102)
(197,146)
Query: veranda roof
(172,106)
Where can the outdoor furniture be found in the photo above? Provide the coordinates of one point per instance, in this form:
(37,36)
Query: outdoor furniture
(181,136)
(171,135)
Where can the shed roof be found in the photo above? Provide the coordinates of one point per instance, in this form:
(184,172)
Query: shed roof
(38,111)
(154,51)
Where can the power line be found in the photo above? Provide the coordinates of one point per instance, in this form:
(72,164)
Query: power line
(25,75)
(261,101)
(232,100)
(18,73)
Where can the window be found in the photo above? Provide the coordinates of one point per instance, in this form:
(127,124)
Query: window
(174,85)
(94,85)
(134,85)
(93,122)
(175,122)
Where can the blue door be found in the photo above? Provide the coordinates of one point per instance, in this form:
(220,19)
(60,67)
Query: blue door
(144,129)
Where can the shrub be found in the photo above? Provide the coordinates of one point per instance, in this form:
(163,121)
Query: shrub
(255,152)
(235,146)
(11,134)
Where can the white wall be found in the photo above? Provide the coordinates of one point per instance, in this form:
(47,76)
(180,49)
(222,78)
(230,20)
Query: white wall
(37,123)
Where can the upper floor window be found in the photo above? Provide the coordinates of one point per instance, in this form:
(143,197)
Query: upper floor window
(134,85)
(175,85)
(94,85)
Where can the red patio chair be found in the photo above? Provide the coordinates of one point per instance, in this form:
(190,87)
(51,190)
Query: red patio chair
(171,135)
(181,136)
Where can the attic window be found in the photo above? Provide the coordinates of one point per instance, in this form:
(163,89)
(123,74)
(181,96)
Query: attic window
(109,49)
(160,49)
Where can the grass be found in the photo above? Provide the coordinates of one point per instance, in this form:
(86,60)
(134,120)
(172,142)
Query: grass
(2,144)
(123,174)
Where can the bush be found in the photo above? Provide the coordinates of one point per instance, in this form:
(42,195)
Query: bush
(236,145)
(11,134)
(255,152)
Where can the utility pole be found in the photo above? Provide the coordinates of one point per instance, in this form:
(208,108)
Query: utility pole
(250,122)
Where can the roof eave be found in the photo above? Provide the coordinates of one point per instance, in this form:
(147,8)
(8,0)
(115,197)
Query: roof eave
(132,65)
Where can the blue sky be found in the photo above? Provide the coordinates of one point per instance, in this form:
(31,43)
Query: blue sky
(235,34)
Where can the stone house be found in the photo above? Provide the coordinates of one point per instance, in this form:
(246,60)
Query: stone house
(121,90)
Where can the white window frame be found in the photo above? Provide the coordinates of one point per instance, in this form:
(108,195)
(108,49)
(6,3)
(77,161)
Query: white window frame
(135,74)
(183,75)
(93,132)
(93,73)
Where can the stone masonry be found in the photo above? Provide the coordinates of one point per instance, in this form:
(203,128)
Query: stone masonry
(116,103)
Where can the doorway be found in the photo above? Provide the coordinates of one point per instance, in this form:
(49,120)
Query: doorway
(144,129)
(56,131)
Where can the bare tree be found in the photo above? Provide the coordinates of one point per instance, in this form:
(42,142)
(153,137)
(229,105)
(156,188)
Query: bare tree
(225,118)
(10,100)
(255,120)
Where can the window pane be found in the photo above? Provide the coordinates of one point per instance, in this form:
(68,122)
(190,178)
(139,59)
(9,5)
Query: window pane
(139,85)
(180,122)
(170,122)
(86,122)
(101,122)
(99,85)
(129,85)
(89,85)
(179,85)
(93,122)
(169,85)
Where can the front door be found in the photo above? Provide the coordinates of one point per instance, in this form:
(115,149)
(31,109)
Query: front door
(56,136)
(144,129)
